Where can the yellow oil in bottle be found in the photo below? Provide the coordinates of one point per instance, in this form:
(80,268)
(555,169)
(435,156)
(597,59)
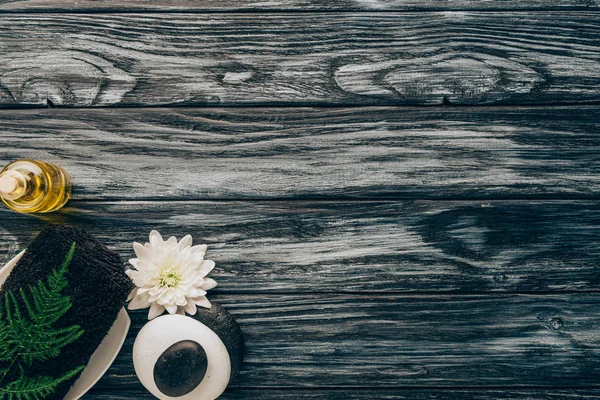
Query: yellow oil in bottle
(31,186)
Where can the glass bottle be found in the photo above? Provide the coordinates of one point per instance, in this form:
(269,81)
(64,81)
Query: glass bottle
(31,186)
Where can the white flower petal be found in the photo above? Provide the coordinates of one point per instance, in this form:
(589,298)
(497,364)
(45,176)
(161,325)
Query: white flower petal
(139,302)
(155,238)
(190,308)
(185,242)
(144,289)
(195,292)
(185,256)
(140,280)
(199,250)
(141,251)
(166,297)
(187,280)
(154,291)
(132,294)
(155,311)
(150,268)
(208,284)
(206,267)
(196,259)
(170,275)
(171,308)
(202,302)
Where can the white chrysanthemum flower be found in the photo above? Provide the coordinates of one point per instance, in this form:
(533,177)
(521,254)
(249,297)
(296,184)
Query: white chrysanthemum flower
(170,276)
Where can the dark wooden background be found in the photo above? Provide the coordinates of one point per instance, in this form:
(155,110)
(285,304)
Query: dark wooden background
(401,196)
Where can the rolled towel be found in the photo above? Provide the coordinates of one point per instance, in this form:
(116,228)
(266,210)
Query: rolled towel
(96,287)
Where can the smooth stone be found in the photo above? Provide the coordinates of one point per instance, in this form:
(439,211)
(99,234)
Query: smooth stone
(180,368)
(227,328)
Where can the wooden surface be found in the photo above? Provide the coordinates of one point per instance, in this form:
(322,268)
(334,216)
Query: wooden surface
(380,394)
(294,58)
(371,152)
(293,5)
(387,340)
(369,248)
(313,247)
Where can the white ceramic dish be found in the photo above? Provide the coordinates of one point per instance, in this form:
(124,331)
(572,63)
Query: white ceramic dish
(104,355)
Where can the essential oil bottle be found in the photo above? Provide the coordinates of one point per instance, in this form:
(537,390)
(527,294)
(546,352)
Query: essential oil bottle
(31,186)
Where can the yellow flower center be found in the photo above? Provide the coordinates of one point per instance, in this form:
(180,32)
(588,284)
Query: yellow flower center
(169,277)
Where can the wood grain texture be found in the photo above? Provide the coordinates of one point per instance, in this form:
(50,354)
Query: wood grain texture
(394,341)
(316,58)
(289,5)
(372,394)
(308,247)
(275,153)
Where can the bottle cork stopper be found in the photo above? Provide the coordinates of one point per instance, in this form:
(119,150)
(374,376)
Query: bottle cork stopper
(10,185)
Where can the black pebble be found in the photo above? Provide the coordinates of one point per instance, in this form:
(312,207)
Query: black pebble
(228,330)
(180,368)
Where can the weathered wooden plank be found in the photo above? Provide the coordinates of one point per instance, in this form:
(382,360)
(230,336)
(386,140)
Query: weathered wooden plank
(300,247)
(372,394)
(317,58)
(288,5)
(373,152)
(398,342)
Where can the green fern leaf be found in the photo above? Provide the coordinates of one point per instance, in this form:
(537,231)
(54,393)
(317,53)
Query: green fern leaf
(5,351)
(36,388)
(28,334)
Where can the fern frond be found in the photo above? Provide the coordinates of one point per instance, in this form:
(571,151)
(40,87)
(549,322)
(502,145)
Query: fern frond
(48,297)
(4,334)
(34,338)
(36,388)
(28,334)
(16,330)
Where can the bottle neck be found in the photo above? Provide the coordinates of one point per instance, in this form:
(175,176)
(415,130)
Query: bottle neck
(13,185)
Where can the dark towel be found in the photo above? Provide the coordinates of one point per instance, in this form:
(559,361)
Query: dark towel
(98,287)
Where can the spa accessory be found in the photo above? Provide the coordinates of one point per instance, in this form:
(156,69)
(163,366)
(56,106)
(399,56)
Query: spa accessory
(71,289)
(31,186)
(189,358)
(104,355)
(176,356)
(170,275)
